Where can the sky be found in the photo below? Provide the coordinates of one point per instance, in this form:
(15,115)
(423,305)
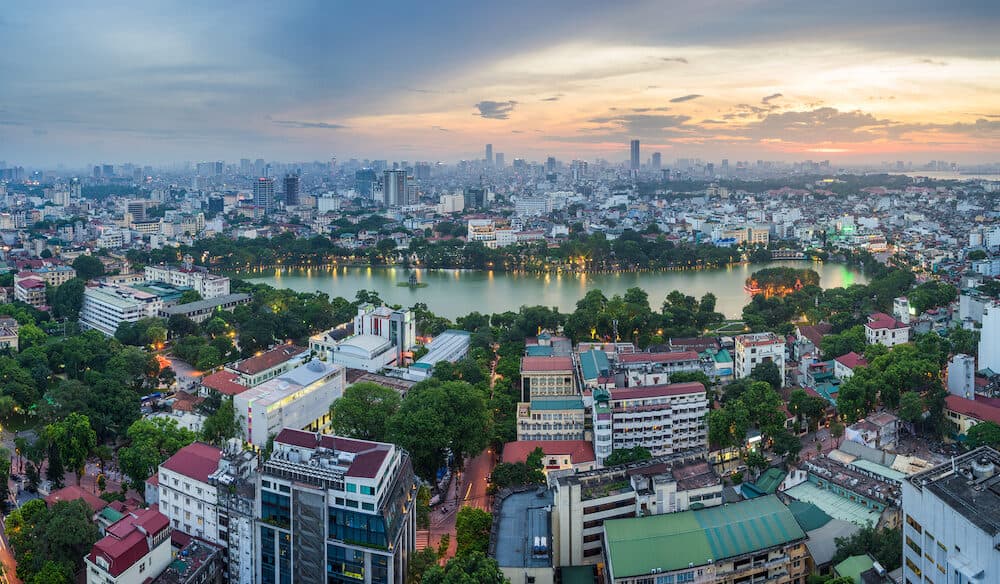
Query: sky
(157,82)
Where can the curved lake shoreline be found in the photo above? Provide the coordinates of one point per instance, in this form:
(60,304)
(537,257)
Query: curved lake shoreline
(452,293)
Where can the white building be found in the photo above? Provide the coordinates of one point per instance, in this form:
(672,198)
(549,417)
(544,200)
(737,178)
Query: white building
(962,376)
(660,418)
(188,276)
(951,521)
(298,399)
(886,330)
(756,348)
(105,307)
(989,340)
(185,495)
(267,365)
(135,549)
(901,309)
(454,203)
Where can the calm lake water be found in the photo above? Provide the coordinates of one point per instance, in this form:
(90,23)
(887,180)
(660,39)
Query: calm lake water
(453,293)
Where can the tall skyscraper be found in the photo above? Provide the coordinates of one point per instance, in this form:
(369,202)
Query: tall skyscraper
(334,510)
(291,189)
(245,166)
(365,181)
(550,164)
(725,167)
(635,155)
(498,162)
(657,160)
(489,155)
(394,188)
(263,194)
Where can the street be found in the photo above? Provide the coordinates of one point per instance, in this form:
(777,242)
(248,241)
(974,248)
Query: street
(468,489)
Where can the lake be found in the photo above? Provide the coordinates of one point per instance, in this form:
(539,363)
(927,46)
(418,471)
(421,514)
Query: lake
(453,293)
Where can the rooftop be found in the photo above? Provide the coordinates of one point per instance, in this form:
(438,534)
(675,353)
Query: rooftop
(189,560)
(364,460)
(972,489)
(647,391)
(852,360)
(224,382)
(977,409)
(206,304)
(758,339)
(880,320)
(568,403)
(126,540)
(594,363)
(671,357)
(196,461)
(579,450)
(521,518)
(74,492)
(702,537)
(833,505)
(546,364)
(269,359)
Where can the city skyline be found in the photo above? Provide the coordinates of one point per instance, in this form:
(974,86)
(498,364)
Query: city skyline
(849,82)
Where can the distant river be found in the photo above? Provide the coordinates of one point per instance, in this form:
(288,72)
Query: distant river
(453,293)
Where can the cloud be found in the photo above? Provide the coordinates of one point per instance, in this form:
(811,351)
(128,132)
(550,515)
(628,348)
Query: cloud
(640,110)
(825,124)
(674,60)
(687,97)
(439,128)
(496,110)
(933,62)
(767,99)
(553,98)
(10,123)
(308,125)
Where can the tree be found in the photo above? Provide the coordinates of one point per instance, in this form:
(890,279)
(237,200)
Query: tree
(364,410)
(768,372)
(179,325)
(152,441)
(68,299)
(75,439)
(911,409)
(221,424)
(420,562)
(852,339)
(837,431)
(60,536)
(423,507)
(88,267)
(4,474)
(189,296)
(756,462)
(627,455)
(787,445)
(472,530)
(437,417)
(885,545)
(690,376)
(30,335)
(55,472)
(471,568)
(510,474)
(983,434)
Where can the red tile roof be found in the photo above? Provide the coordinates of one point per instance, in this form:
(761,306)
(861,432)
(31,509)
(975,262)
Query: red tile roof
(74,492)
(816,332)
(671,357)
(540,364)
(645,391)
(196,461)
(973,408)
(224,382)
(269,359)
(852,360)
(880,320)
(126,540)
(580,451)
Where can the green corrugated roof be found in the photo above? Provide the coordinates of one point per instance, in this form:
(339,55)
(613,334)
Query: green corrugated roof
(571,403)
(808,516)
(594,363)
(635,546)
(110,514)
(882,470)
(854,566)
(723,356)
(538,351)
(770,480)
(578,574)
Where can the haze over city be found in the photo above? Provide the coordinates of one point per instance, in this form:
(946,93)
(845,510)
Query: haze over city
(854,82)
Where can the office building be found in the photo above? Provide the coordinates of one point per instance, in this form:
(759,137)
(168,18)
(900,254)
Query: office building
(660,418)
(989,340)
(263,194)
(583,501)
(394,188)
(137,209)
(334,510)
(499,161)
(489,155)
(29,288)
(135,549)
(757,540)
(634,150)
(951,521)
(756,348)
(962,376)
(291,190)
(365,182)
(657,160)
(298,399)
(106,307)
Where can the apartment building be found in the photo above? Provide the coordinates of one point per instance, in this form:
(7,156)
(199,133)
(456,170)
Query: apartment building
(334,510)
(29,288)
(661,418)
(135,550)
(188,275)
(951,521)
(756,348)
(583,501)
(757,540)
(267,365)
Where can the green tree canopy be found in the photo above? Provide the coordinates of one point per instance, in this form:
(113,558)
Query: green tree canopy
(472,530)
(364,411)
(151,441)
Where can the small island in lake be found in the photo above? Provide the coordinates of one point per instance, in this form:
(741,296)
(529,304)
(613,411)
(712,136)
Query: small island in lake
(412,283)
(780,281)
